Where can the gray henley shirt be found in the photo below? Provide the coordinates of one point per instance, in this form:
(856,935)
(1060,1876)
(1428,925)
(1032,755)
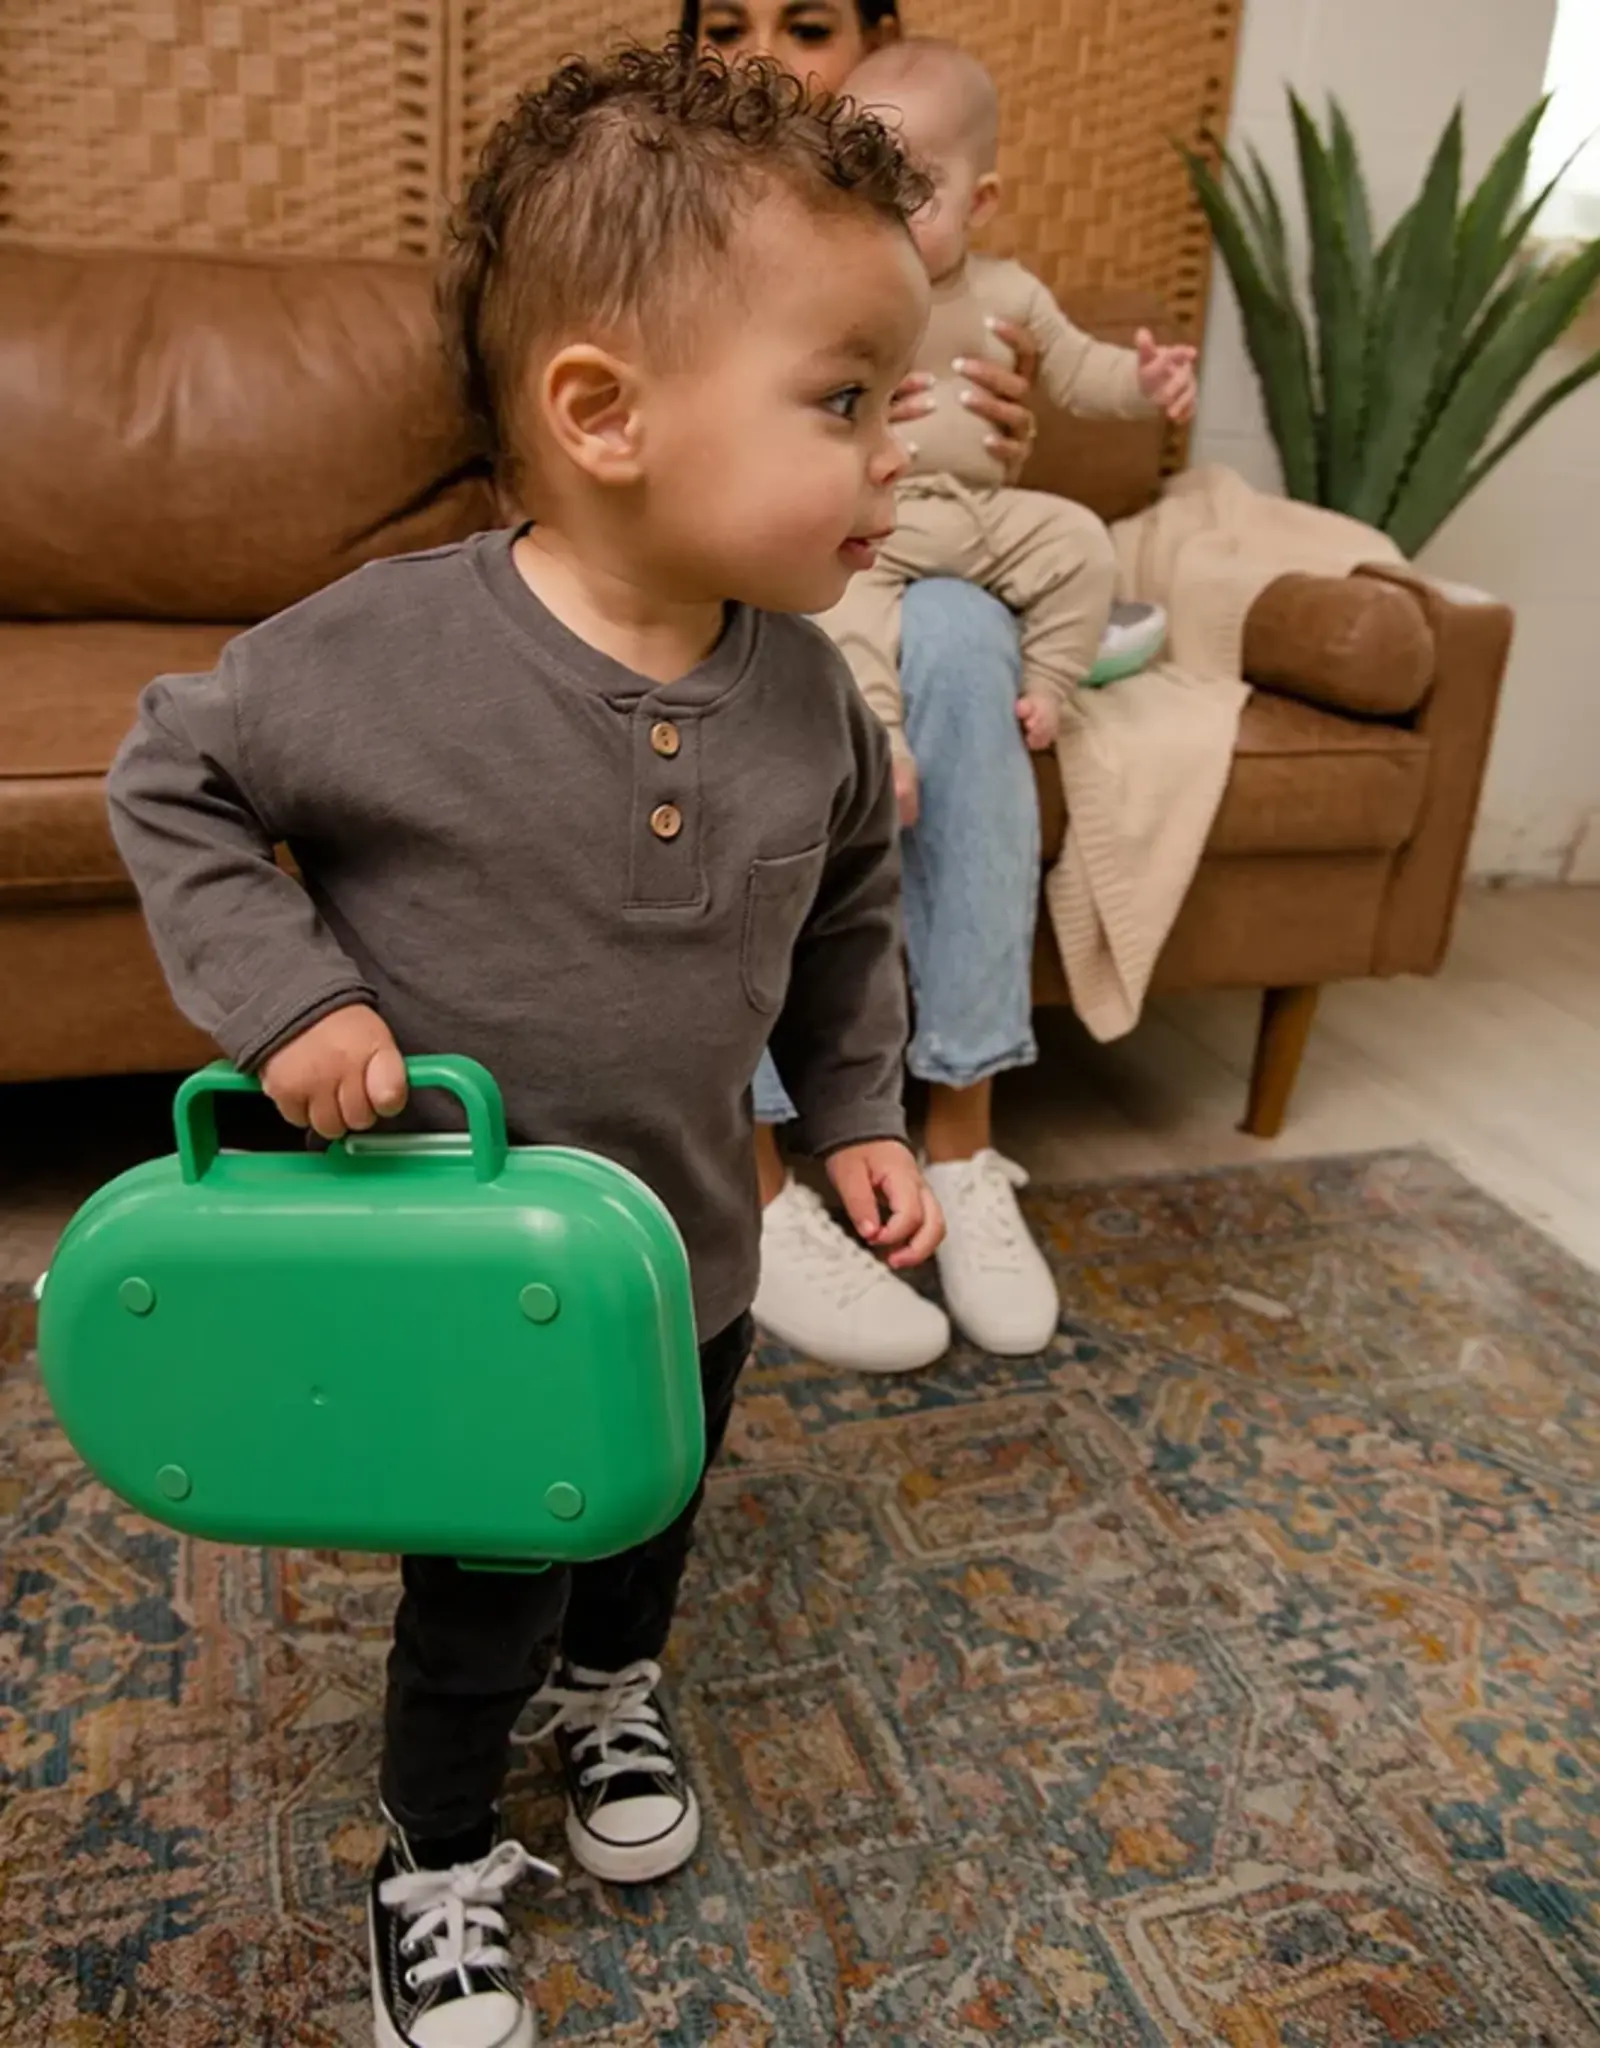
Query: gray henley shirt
(611,892)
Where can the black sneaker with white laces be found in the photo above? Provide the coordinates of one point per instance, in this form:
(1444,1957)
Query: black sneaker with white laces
(442,1975)
(631,1816)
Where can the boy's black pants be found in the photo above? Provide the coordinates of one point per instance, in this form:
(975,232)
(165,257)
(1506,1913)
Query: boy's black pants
(471,1648)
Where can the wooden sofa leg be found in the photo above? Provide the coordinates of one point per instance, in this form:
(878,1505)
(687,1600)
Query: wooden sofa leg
(1286,1015)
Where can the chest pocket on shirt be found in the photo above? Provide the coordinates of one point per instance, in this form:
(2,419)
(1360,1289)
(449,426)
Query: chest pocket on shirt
(779,896)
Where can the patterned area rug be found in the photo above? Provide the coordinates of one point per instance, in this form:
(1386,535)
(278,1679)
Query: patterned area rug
(1226,1675)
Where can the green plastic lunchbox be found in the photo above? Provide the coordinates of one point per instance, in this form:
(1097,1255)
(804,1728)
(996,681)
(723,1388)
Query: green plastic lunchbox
(436,1344)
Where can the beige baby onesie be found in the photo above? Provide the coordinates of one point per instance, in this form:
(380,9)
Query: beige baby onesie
(1047,558)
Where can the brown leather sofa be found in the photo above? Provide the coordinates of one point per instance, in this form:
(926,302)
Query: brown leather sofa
(188,444)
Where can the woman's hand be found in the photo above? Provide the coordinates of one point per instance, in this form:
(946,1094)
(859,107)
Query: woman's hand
(910,401)
(994,392)
(1001,396)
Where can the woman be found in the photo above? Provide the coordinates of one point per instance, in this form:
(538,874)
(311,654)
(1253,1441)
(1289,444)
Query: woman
(971,879)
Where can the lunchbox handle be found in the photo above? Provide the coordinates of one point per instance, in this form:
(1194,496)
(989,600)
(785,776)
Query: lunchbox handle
(473,1086)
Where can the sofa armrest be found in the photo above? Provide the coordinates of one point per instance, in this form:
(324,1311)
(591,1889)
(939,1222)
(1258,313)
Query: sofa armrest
(1352,644)
(1471,639)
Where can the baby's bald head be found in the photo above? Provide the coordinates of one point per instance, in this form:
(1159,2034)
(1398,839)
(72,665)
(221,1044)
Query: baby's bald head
(941,105)
(946,98)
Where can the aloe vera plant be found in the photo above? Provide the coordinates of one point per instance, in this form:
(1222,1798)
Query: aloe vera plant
(1388,365)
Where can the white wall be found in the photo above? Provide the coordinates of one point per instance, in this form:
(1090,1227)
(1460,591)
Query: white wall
(1532,534)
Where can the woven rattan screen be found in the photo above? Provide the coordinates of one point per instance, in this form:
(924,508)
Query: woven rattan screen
(338,126)
(1093,94)
(269,124)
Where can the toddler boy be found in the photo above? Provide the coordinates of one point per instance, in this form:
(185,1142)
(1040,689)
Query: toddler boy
(587,801)
(1048,559)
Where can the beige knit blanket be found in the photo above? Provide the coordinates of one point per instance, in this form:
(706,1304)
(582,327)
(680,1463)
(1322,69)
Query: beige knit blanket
(1144,761)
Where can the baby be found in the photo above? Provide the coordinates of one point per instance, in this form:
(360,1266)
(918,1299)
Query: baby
(1050,560)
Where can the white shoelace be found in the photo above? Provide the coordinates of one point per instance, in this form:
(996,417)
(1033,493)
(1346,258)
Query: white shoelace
(457,1914)
(607,1706)
(833,1262)
(983,1203)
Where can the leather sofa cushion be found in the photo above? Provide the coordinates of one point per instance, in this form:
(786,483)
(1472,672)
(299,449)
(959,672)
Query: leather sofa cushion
(68,690)
(1304,781)
(67,696)
(197,437)
(1351,644)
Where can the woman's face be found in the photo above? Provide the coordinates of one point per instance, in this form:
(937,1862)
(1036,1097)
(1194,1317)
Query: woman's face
(820,41)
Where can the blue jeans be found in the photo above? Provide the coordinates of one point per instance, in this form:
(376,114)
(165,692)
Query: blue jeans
(972,860)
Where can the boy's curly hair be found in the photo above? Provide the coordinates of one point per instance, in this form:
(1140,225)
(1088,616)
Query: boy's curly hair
(611,191)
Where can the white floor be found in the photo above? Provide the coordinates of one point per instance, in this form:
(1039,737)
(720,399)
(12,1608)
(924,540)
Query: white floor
(1495,1064)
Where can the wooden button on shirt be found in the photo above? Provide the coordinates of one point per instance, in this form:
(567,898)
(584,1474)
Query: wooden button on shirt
(664,738)
(666,821)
